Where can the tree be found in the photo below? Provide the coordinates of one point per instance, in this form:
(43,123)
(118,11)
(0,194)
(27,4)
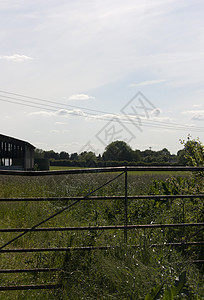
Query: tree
(136,155)
(87,158)
(51,154)
(74,156)
(164,155)
(64,155)
(181,157)
(39,153)
(193,152)
(148,156)
(118,151)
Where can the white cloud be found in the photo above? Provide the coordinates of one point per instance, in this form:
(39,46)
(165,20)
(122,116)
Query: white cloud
(42,113)
(156,112)
(8,117)
(54,131)
(148,82)
(60,112)
(66,112)
(153,116)
(60,123)
(102,42)
(16,57)
(193,111)
(199,117)
(38,132)
(196,115)
(81,97)
(196,105)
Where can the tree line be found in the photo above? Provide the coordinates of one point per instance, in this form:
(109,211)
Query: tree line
(115,154)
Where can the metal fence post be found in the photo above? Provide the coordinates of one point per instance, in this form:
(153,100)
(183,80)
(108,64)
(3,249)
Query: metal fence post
(126,207)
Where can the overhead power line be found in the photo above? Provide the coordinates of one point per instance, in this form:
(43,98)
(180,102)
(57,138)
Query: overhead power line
(52,106)
(54,102)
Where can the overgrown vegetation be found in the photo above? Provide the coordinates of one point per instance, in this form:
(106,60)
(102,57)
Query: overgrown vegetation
(121,271)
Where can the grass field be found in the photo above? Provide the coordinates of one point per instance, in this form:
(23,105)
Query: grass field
(55,168)
(120,273)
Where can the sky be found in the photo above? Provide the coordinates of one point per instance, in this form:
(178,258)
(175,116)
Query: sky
(77,75)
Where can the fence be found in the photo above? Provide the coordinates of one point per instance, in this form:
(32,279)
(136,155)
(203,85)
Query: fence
(120,171)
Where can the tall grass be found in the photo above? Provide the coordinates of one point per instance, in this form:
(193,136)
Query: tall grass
(120,273)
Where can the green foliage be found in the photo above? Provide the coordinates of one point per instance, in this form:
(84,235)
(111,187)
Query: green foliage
(194,152)
(119,273)
(172,186)
(186,210)
(39,153)
(118,151)
(154,293)
(169,292)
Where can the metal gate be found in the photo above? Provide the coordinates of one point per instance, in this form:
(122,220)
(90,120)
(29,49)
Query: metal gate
(19,233)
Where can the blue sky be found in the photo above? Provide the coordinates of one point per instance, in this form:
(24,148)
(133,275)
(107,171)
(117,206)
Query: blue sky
(69,70)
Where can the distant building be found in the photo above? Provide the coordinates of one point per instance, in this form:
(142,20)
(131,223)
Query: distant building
(16,154)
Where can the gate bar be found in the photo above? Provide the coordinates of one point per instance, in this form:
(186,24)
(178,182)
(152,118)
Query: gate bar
(30,287)
(101,170)
(135,197)
(109,227)
(5,271)
(22,250)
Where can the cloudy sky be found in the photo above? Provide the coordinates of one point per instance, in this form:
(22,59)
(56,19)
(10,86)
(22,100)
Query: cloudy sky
(76,75)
